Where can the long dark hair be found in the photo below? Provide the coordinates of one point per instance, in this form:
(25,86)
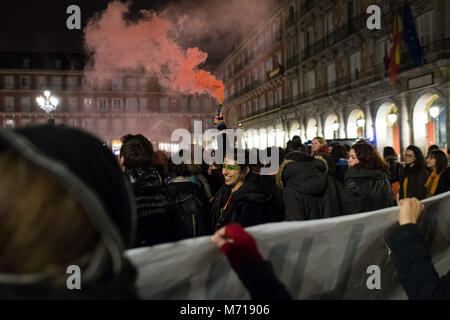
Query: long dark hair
(389,152)
(368,157)
(441,160)
(338,152)
(419,163)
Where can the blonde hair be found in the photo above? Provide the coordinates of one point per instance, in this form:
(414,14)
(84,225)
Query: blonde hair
(43,228)
(321,140)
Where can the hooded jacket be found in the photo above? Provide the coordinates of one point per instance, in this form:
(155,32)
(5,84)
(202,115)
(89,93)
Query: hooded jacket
(253,203)
(309,192)
(394,169)
(155,208)
(91,173)
(370,187)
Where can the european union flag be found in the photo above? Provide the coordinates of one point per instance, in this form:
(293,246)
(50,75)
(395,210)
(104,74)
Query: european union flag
(410,36)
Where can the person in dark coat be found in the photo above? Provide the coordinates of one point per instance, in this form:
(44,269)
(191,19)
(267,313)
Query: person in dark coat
(339,156)
(256,274)
(367,179)
(412,184)
(191,202)
(395,169)
(215,178)
(308,191)
(412,259)
(391,158)
(444,182)
(437,163)
(246,198)
(319,146)
(62,206)
(156,209)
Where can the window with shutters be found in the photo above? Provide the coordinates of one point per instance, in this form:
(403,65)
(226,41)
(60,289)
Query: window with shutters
(25,104)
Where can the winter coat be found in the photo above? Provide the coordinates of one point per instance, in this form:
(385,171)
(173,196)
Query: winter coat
(203,183)
(444,182)
(370,187)
(253,203)
(395,169)
(341,169)
(262,283)
(215,181)
(309,192)
(192,208)
(155,208)
(91,174)
(414,266)
(416,183)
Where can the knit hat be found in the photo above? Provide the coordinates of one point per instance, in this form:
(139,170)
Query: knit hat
(90,172)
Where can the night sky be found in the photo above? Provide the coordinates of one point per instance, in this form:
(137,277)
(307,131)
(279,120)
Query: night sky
(40,26)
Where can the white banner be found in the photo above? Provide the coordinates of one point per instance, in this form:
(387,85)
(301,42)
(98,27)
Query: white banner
(317,259)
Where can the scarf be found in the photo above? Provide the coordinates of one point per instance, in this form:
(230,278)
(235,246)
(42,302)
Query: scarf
(432,183)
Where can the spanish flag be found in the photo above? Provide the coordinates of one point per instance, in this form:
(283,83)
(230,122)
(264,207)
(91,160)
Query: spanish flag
(397,30)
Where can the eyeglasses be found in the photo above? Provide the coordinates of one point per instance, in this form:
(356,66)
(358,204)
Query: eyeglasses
(231,167)
(409,155)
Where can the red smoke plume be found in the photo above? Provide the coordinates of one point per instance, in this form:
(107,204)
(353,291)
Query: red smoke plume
(118,45)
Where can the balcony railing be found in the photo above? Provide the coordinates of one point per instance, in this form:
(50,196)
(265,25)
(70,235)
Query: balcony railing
(340,34)
(439,49)
(354,25)
(238,68)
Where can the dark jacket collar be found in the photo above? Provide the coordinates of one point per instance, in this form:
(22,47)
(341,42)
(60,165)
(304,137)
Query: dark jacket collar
(144,180)
(359,173)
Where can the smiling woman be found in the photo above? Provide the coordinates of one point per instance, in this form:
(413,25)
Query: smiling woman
(246,198)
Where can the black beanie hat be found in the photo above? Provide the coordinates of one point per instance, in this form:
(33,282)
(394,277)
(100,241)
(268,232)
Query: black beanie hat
(90,171)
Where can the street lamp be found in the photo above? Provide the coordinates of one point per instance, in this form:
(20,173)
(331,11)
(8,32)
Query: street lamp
(434,111)
(48,103)
(392,117)
(360,122)
(335,126)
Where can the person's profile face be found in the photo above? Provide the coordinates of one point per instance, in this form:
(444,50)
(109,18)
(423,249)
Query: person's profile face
(431,162)
(409,157)
(315,145)
(352,158)
(231,172)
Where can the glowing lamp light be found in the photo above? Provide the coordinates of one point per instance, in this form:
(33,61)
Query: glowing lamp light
(335,126)
(360,122)
(40,100)
(392,117)
(54,101)
(434,112)
(48,103)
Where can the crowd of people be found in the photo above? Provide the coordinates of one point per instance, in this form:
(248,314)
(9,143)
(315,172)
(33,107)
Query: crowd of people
(178,201)
(144,198)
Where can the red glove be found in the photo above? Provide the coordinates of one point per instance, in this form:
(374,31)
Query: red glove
(243,250)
